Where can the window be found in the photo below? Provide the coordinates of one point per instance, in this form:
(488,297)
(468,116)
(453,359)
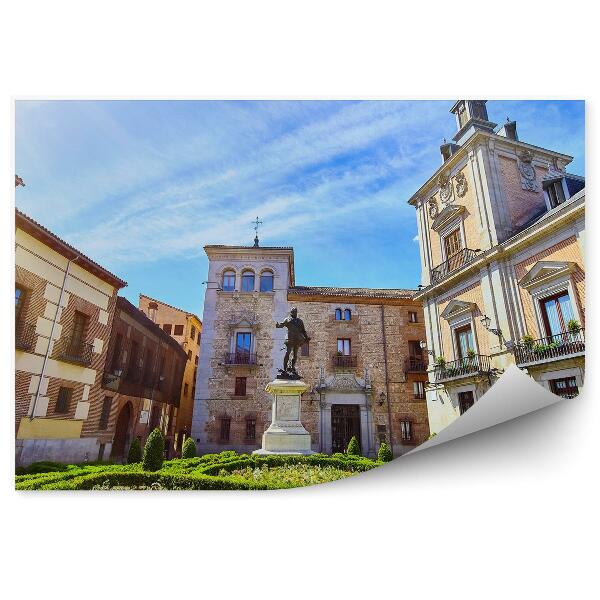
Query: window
(80,322)
(556,313)
(343,346)
(189,355)
(338,314)
(419,390)
(167,327)
(266,281)
(464,341)
(381,433)
(105,413)
(305,349)
(250,429)
(247,281)
(556,194)
(565,387)
(20,294)
(193,333)
(462,116)
(132,366)
(406,431)
(452,243)
(152,309)
(240,386)
(224,428)
(196,360)
(148,367)
(243,342)
(186,389)
(347,314)
(115,362)
(229,281)
(414,349)
(64,400)
(178,330)
(465,401)
(412,317)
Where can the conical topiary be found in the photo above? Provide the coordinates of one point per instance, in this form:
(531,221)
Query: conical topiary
(135,452)
(353,447)
(154,451)
(385,453)
(189,448)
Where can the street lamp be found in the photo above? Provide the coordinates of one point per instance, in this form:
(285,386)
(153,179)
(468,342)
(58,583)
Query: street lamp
(486,321)
(382,398)
(423,346)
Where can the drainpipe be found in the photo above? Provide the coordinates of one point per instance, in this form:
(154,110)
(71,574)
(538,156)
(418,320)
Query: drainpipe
(387,382)
(46,356)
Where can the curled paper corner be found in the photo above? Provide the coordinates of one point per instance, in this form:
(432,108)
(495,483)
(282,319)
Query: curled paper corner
(513,395)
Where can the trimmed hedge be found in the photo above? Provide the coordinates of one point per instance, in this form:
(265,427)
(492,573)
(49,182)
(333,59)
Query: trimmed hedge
(385,453)
(199,473)
(189,449)
(154,451)
(353,447)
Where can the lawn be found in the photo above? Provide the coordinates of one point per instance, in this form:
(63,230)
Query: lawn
(224,471)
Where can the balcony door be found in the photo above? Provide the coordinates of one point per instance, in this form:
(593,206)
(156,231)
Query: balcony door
(557,311)
(452,247)
(465,401)
(464,341)
(243,343)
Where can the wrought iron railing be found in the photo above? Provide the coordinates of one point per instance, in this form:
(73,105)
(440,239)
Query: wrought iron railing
(24,335)
(549,347)
(343,360)
(74,351)
(464,367)
(414,364)
(240,358)
(455,262)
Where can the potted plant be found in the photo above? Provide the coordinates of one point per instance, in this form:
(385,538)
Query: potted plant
(440,361)
(573,326)
(527,341)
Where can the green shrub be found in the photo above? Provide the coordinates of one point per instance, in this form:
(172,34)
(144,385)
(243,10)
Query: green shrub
(353,447)
(385,453)
(135,452)
(154,451)
(45,466)
(189,448)
(573,326)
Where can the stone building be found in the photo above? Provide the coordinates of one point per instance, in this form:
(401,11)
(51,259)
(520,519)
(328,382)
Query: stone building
(501,228)
(364,362)
(141,383)
(64,303)
(186,329)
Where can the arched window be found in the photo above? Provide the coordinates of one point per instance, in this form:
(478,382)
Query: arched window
(338,314)
(347,314)
(228,281)
(247,281)
(266,281)
(152,309)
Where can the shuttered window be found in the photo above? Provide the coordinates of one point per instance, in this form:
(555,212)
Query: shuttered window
(64,400)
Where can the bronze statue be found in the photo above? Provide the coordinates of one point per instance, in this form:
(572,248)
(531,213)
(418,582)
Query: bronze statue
(296,336)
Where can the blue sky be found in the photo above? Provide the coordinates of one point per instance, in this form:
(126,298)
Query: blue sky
(142,186)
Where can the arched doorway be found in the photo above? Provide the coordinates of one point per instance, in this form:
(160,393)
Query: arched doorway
(122,433)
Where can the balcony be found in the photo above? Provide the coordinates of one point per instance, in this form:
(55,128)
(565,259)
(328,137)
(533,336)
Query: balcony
(73,351)
(240,359)
(478,364)
(24,335)
(415,364)
(554,347)
(343,361)
(455,262)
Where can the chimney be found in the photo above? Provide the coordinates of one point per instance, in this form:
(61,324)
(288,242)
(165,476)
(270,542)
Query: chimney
(509,130)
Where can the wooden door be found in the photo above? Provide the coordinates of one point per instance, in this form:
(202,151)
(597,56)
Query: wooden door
(345,422)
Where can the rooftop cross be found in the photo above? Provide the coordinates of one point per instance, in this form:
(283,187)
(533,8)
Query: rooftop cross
(256,224)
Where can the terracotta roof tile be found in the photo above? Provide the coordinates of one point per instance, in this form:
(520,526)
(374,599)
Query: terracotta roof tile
(303,290)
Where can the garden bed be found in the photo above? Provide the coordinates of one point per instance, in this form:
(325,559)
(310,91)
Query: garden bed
(225,471)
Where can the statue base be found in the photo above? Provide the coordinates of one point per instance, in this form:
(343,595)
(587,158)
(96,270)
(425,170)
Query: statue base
(286,434)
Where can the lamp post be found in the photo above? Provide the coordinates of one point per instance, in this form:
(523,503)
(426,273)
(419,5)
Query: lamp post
(423,346)
(486,322)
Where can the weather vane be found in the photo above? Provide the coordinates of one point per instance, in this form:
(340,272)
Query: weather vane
(256,224)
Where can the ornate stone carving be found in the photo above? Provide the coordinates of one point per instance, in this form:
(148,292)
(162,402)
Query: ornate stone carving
(527,170)
(445,188)
(345,382)
(432,207)
(461,184)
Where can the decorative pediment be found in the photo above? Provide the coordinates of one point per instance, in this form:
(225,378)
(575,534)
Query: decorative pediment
(243,321)
(457,308)
(545,271)
(450,212)
(345,382)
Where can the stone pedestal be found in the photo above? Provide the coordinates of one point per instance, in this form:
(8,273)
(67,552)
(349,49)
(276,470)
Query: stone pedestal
(286,434)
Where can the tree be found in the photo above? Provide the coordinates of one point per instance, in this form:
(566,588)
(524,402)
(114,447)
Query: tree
(189,448)
(135,452)
(154,451)
(384,454)
(353,447)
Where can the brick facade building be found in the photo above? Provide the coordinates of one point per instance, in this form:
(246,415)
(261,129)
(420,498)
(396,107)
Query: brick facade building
(64,304)
(363,363)
(186,329)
